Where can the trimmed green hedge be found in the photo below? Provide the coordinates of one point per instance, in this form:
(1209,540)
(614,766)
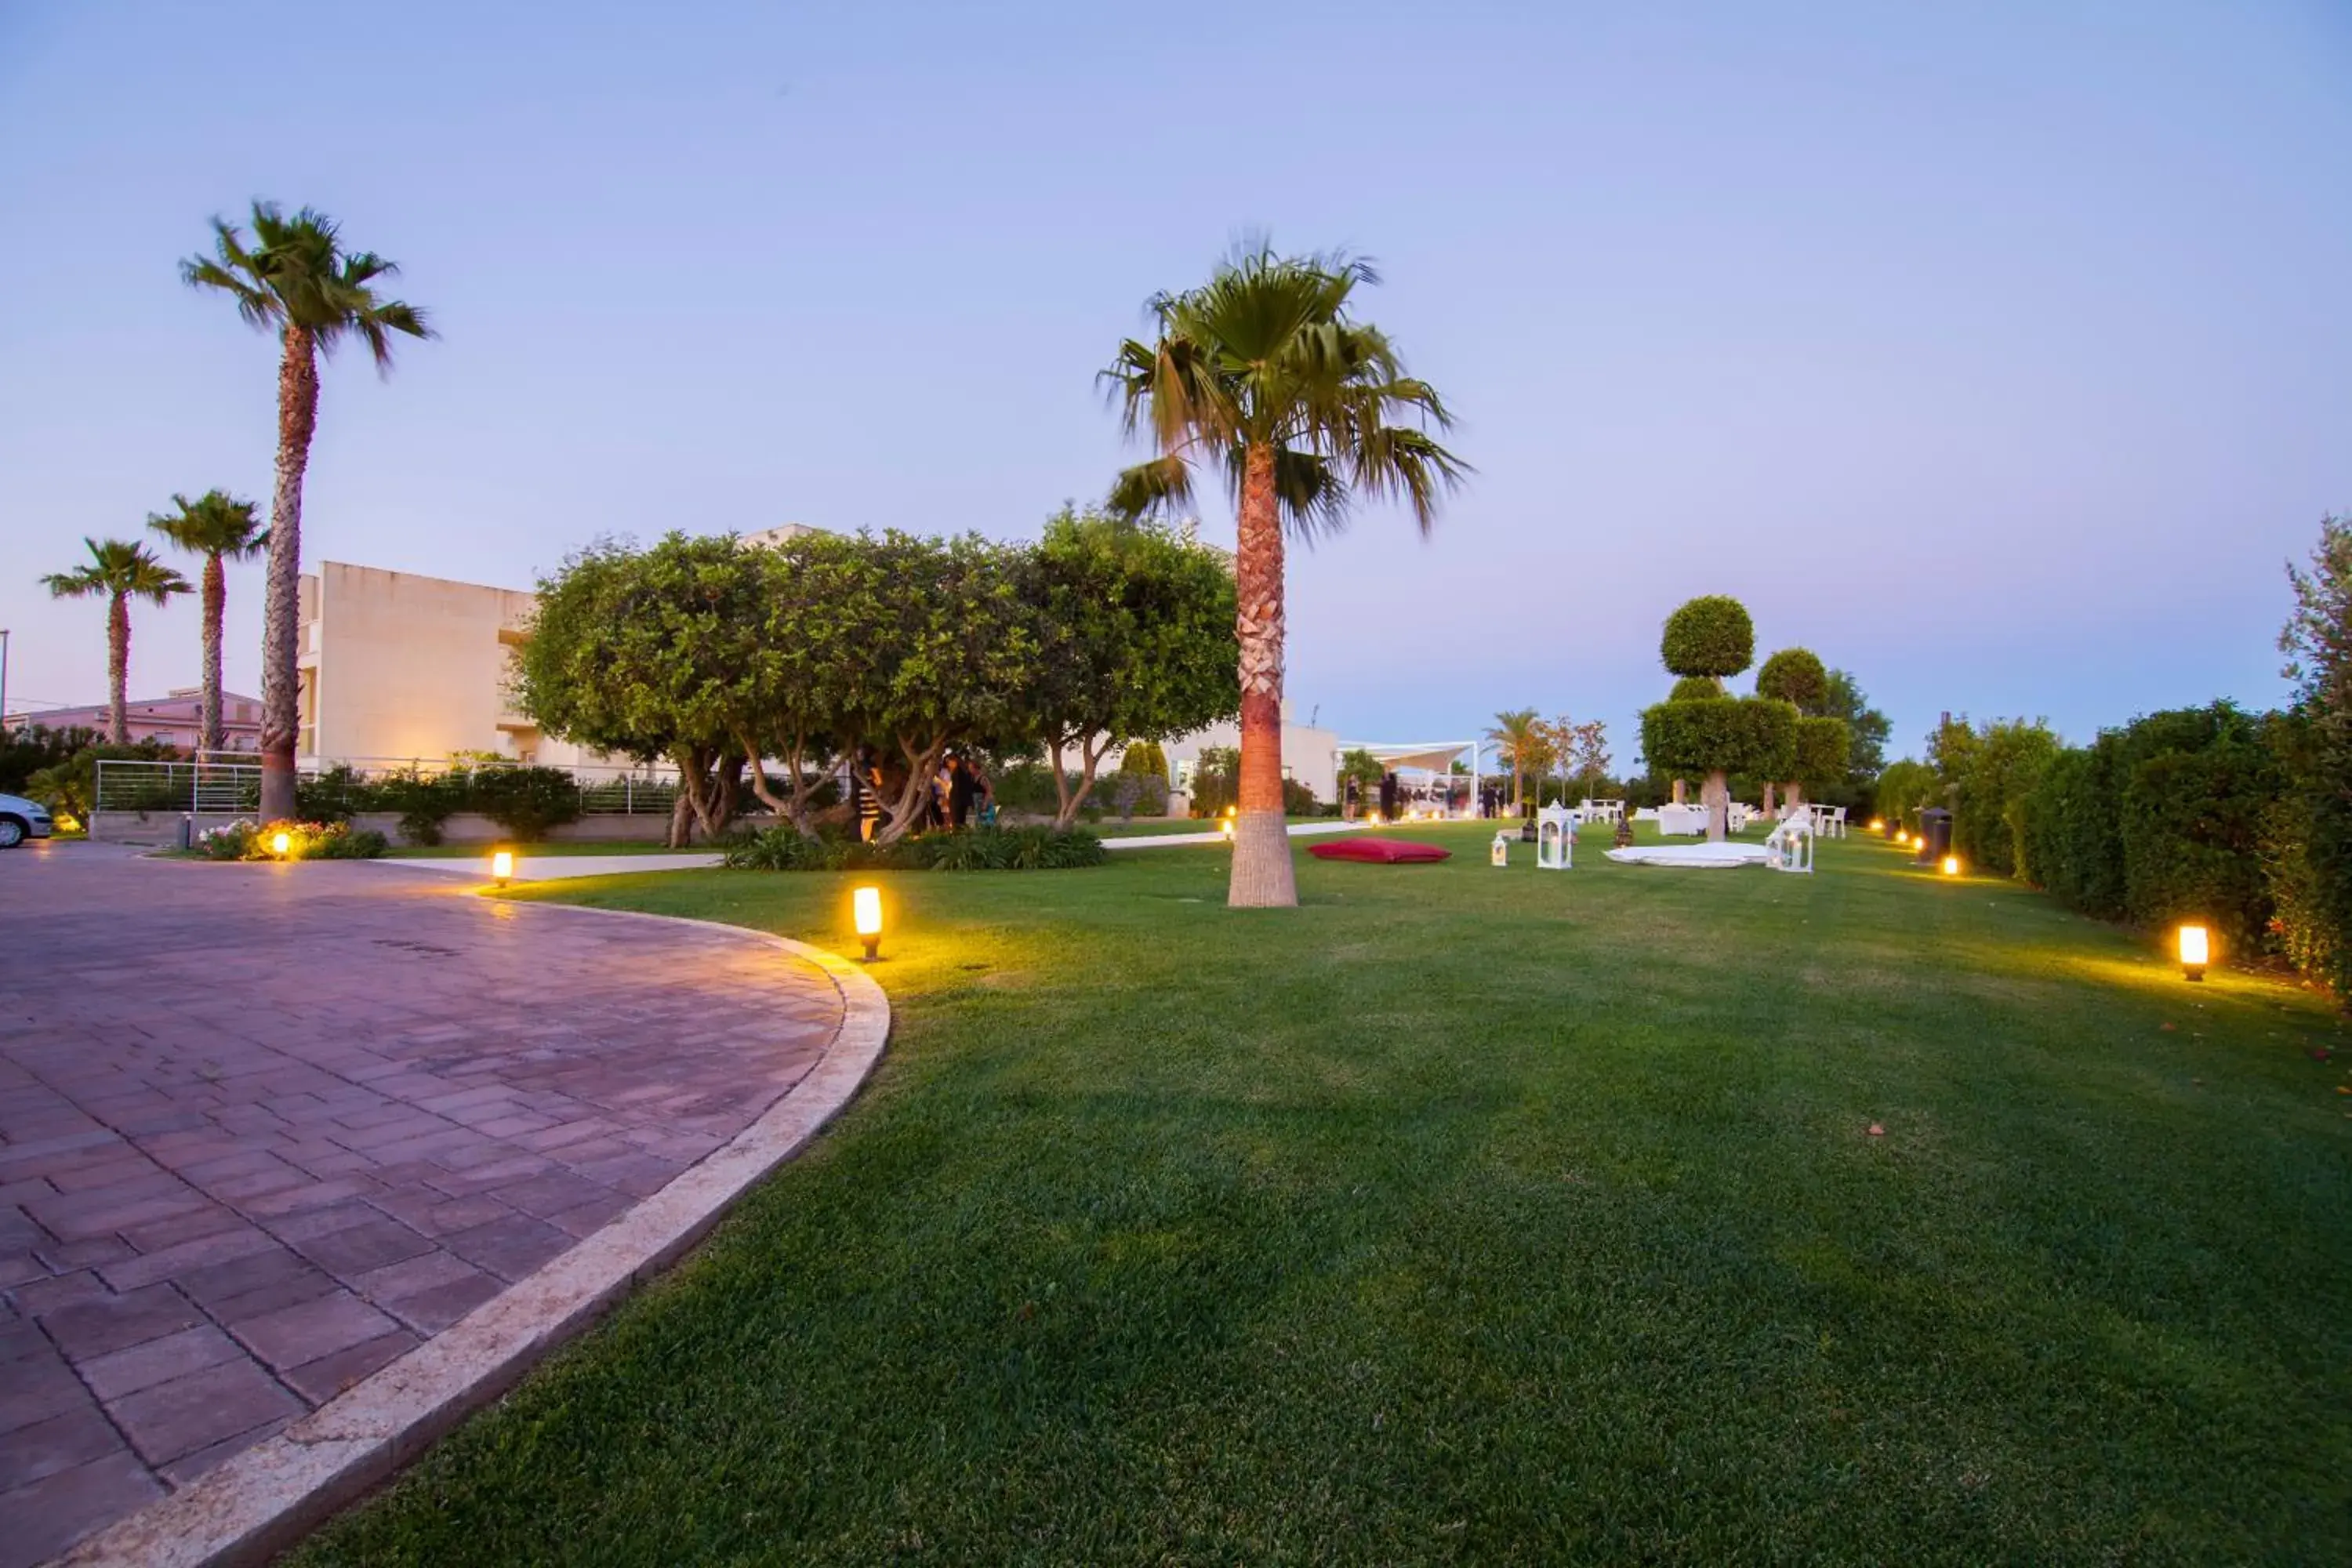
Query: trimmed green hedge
(980,850)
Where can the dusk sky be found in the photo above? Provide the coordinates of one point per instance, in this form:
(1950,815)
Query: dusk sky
(1999,353)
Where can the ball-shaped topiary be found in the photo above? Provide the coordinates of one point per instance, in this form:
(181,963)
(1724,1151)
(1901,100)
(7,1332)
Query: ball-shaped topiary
(1795,675)
(1695,688)
(1710,635)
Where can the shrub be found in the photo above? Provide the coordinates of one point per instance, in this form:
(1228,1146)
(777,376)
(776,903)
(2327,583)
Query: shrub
(1217,781)
(1711,635)
(1990,779)
(526,802)
(1695,688)
(1145,757)
(1127,793)
(1297,800)
(980,850)
(1822,747)
(1751,735)
(1903,786)
(1025,786)
(305,841)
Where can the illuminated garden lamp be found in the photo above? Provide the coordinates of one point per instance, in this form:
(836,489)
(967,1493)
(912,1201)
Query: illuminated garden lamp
(1950,866)
(281,843)
(501,865)
(866,909)
(1225,826)
(1878,825)
(2196,950)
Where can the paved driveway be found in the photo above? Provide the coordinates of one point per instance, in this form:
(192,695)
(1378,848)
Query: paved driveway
(263,1129)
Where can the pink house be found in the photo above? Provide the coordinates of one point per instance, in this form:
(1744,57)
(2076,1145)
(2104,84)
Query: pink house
(175,719)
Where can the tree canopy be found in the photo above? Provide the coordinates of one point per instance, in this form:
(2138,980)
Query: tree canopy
(1711,635)
(1795,675)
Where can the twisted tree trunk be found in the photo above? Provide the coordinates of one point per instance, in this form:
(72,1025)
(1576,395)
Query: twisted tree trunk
(1262,876)
(281,718)
(210,737)
(118,668)
(1715,796)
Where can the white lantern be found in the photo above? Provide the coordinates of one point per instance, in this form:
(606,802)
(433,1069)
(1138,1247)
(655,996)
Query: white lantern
(1555,838)
(1790,846)
(1500,853)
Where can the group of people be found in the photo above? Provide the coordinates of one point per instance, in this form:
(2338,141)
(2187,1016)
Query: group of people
(958,794)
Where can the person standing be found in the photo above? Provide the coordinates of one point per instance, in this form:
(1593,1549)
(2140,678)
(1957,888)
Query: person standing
(866,776)
(960,792)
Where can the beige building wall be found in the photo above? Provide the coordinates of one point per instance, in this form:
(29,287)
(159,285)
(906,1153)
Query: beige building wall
(1310,755)
(396,665)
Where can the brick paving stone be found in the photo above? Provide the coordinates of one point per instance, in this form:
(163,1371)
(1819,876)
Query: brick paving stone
(54,1513)
(122,1371)
(43,1448)
(294,1120)
(510,1247)
(321,1380)
(370,1244)
(174,1419)
(91,1328)
(292,1336)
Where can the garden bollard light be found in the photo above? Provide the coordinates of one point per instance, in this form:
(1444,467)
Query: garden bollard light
(279,843)
(501,865)
(2196,950)
(866,909)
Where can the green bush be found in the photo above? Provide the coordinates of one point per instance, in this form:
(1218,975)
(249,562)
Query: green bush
(1144,757)
(1751,735)
(1822,747)
(2073,847)
(1711,635)
(526,802)
(1903,786)
(1217,781)
(1695,688)
(1990,779)
(305,841)
(980,849)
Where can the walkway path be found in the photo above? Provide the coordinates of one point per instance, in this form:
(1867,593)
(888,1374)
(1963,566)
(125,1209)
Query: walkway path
(264,1129)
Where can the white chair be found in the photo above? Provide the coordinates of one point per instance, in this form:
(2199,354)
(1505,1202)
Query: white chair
(1837,821)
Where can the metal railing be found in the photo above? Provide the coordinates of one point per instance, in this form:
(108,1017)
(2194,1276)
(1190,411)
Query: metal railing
(345,787)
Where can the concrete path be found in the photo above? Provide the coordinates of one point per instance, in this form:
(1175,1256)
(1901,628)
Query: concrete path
(265,1129)
(553,868)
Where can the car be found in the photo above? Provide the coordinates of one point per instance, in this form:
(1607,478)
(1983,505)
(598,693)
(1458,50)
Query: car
(21,819)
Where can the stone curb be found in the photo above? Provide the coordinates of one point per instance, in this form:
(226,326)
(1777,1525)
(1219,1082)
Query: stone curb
(265,1499)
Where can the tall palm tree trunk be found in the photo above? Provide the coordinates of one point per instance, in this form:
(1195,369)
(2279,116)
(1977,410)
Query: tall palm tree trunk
(118,668)
(298,416)
(1262,876)
(215,595)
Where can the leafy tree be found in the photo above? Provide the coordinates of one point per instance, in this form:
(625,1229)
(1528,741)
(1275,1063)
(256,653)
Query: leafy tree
(1797,676)
(299,281)
(1365,769)
(1866,752)
(29,748)
(1988,778)
(642,653)
(1519,740)
(1589,750)
(1824,746)
(1144,757)
(1264,375)
(219,527)
(1698,730)
(1216,779)
(1136,642)
(2317,641)
(118,571)
(1903,786)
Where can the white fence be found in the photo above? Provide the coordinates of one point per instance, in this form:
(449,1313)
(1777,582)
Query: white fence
(208,787)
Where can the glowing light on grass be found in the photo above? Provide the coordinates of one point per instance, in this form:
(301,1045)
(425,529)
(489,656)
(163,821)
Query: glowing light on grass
(1951,865)
(866,912)
(501,865)
(2195,950)
(280,843)
(1878,825)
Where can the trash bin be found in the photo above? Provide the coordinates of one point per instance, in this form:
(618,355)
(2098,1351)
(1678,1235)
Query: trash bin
(1935,836)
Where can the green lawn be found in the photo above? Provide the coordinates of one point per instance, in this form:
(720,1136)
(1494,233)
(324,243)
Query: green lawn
(1480,1216)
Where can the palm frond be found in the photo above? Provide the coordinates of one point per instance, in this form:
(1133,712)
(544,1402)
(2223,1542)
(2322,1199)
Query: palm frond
(1159,485)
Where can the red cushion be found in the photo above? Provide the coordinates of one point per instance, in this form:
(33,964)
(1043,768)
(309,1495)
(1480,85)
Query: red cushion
(1378,851)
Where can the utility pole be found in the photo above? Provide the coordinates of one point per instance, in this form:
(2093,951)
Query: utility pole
(3,681)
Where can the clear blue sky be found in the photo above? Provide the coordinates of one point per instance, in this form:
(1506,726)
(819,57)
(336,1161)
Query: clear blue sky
(1997,353)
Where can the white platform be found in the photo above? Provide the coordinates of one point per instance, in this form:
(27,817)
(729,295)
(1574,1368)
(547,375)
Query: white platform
(1703,856)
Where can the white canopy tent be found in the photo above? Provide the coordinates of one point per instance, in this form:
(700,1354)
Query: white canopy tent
(1436,757)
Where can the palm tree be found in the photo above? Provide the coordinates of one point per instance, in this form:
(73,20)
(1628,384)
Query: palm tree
(1263,373)
(297,279)
(122,571)
(219,527)
(1519,734)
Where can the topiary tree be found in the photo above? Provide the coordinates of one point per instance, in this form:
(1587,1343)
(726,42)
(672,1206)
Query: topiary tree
(1700,731)
(1144,757)
(1795,675)
(1822,750)
(1710,635)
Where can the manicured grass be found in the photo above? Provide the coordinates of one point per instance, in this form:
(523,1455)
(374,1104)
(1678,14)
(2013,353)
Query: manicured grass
(1151,826)
(1480,1216)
